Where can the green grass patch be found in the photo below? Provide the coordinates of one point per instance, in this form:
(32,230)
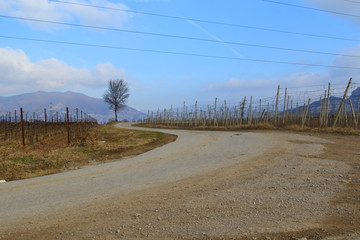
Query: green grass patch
(25,159)
(90,150)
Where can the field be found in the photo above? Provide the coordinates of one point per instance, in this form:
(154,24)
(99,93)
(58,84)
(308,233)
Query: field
(52,154)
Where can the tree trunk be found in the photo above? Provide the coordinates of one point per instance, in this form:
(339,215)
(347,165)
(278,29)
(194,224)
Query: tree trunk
(116,116)
(116,109)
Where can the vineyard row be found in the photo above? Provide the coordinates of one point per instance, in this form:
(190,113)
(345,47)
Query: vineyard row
(28,129)
(327,112)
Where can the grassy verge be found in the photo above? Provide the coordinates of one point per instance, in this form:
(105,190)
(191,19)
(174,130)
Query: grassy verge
(296,128)
(103,143)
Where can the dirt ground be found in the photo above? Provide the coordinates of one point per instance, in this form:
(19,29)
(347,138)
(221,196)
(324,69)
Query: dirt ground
(291,192)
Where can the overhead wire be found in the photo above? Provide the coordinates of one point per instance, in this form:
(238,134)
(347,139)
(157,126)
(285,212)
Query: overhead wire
(179,37)
(312,8)
(209,21)
(177,53)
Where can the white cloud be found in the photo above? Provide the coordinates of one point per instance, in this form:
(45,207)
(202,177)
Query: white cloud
(263,86)
(53,11)
(347,7)
(235,87)
(236,84)
(19,74)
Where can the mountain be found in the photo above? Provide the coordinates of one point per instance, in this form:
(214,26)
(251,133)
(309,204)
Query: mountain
(314,108)
(58,101)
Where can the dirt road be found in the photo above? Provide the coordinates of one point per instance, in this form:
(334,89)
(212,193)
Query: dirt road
(206,185)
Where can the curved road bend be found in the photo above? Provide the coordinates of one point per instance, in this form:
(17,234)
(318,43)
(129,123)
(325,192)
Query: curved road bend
(193,153)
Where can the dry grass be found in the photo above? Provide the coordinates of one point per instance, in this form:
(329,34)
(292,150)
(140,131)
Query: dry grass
(102,144)
(264,126)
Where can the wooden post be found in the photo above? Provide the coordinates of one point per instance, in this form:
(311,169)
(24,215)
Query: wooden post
(305,114)
(164,120)
(179,117)
(262,116)
(242,110)
(45,115)
(227,117)
(237,114)
(287,109)
(22,127)
(297,112)
(226,114)
(260,111)
(171,115)
(342,103)
(345,115)
(210,113)
(215,113)
(68,125)
(277,106)
(250,112)
(321,110)
(284,111)
(45,118)
(291,110)
(4,120)
(196,114)
(327,106)
(353,114)
(184,115)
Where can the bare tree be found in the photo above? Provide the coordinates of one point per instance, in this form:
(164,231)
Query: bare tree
(116,95)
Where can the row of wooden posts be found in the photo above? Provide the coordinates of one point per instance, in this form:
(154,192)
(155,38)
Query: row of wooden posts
(40,125)
(223,115)
(57,117)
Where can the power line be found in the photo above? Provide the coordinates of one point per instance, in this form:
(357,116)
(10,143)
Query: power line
(311,8)
(177,53)
(210,21)
(181,37)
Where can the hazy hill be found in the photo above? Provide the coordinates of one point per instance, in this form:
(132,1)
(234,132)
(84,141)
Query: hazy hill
(58,101)
(314,107)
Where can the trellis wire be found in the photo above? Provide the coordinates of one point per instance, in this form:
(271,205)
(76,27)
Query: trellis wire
(30,128)
(317,107)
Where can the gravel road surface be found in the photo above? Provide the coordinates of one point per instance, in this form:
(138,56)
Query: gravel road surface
(193,153)
(261,179)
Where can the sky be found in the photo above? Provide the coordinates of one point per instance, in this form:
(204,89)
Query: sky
(171,51)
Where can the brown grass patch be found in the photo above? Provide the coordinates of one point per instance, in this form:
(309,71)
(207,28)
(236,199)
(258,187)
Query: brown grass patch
(103,143)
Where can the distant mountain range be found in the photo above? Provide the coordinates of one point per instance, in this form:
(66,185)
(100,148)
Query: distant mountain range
(315,107)
(58,101)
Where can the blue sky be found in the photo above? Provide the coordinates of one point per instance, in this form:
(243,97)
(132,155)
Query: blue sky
(158,80)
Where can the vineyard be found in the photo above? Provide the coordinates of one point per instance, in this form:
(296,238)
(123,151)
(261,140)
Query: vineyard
(321,108)
(29,128)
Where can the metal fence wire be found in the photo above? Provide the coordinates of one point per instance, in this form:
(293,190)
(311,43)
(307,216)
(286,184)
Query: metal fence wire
(330,106)
(29,128)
